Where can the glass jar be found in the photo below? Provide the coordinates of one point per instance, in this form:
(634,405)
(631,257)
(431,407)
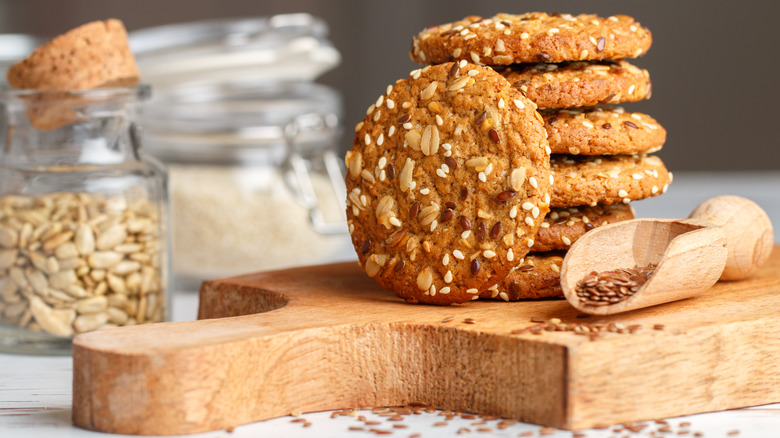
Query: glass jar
(256,182)
(83,235)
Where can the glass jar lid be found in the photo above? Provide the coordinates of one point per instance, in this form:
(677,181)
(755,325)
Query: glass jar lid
(240,121)
(285,47)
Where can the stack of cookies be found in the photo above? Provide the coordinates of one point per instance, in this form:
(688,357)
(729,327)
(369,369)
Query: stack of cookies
(455,194)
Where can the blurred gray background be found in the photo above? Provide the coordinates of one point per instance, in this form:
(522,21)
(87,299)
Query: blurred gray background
(714,65)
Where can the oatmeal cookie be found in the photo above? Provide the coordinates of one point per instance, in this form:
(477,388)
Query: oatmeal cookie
(447,183)
(532,37)
(537,276)
(582,180)
(602,131)
(578,84)
(564,225)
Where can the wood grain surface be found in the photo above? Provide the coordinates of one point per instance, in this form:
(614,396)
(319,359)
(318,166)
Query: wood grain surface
(323,338)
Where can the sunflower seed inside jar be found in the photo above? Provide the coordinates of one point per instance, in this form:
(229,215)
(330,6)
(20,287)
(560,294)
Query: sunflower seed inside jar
(77,262)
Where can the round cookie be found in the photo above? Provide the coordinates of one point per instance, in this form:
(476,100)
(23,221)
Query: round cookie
(564,225)
(578,84)
(602,131)
(447,183)
(532,37)
(582,180)
(537,276)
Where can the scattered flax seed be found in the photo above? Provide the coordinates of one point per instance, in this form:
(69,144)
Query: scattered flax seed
(356,428)
(484,429)
(301,420)
(578,435)
(307,424)
(479,423)
(469,321)
(546,431)
(503,424)
(468,416)
(381,431)
(396,418)
(447,319)
(610,287)
(733,432)
(658,326)
(440,423)
(526,433)
(400,426)
(373,423)
(230,429)
(415,435)
(463,430)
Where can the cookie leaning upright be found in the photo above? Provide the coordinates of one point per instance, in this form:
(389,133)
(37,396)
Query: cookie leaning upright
(448,182)
(93,55)
(532,37)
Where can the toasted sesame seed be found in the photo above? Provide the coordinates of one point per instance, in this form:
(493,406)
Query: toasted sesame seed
(510,255)
(407,125)
(566,240)
(532,181)
(472,291)
(445,290)
(488,254)
(458,255)
(513,212)
(529,221)
(482,177)
(441,173)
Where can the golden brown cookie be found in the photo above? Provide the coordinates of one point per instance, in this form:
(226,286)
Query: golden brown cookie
(602,131)
(578,84)
(532,37)
(581,180)
(448,182)
(564,225)
(537,276)
(93,55)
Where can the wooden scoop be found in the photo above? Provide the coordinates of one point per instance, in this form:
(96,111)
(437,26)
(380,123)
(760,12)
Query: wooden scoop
(726,238)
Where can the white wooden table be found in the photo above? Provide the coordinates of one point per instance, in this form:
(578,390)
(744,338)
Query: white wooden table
(35,392)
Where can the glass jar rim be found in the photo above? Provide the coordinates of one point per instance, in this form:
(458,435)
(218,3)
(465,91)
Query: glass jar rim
(141,92)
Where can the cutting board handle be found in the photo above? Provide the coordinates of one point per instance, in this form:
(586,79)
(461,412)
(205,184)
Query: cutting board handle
(749,234)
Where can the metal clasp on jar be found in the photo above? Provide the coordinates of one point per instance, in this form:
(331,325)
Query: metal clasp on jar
(305,157)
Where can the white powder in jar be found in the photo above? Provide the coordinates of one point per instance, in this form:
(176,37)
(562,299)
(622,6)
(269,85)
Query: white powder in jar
(228,221)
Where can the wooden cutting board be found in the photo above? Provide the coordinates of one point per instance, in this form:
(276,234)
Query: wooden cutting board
(330,338)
